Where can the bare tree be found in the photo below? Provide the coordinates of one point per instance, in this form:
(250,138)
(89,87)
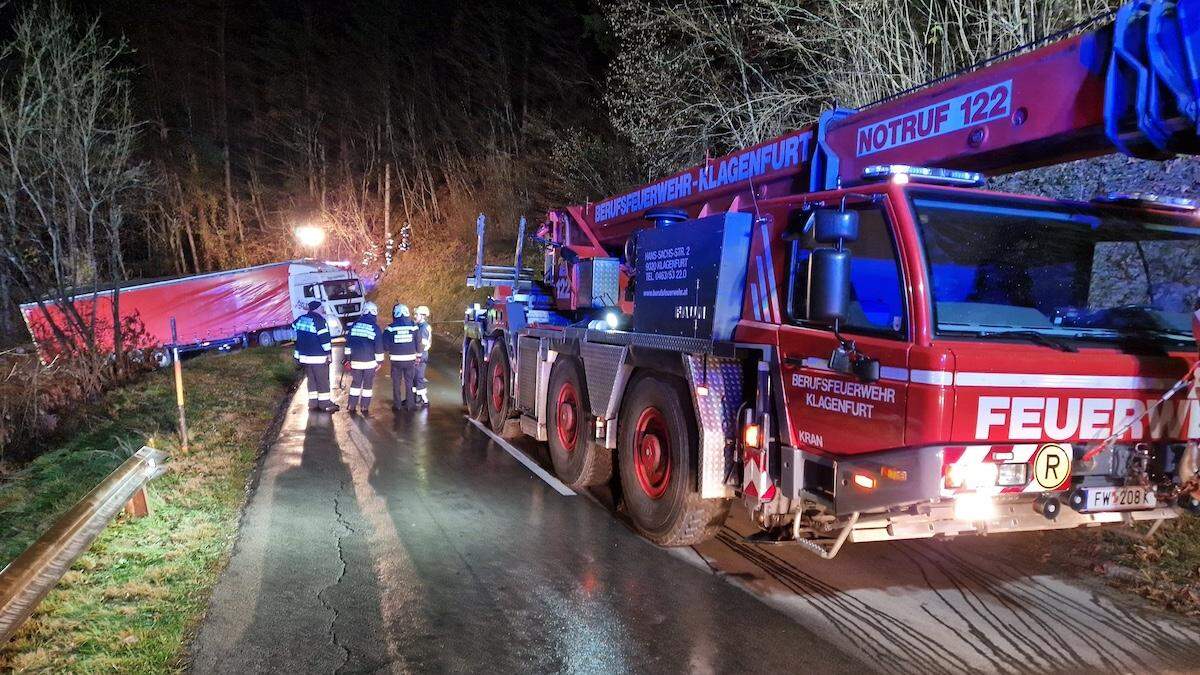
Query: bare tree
(697,77)
(67,174)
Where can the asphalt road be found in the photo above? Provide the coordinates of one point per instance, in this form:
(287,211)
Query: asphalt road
(415,542)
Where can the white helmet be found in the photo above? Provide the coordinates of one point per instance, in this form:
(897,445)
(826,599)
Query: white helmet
(399,311)
(370,308)
(421,310)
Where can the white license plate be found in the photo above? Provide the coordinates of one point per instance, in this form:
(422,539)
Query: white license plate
(1119,499)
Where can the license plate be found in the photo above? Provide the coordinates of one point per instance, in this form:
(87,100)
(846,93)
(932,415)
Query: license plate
(1119,499)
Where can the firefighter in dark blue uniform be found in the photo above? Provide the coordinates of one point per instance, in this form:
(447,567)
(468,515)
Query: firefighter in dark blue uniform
(402,351)
(313,348)
(424,341)
(365,344)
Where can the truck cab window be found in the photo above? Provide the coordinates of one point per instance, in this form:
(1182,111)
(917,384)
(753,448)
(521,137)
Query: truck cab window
(310,291)
(877,300)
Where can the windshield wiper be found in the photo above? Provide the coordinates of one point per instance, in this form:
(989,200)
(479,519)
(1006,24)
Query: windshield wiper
(1031,335)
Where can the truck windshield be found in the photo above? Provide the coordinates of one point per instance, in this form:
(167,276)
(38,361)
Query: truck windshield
(342,289)
(1063,270)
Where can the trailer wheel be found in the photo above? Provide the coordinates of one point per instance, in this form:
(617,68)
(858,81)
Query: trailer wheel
(657,461)
(577,461)
(266,338)
(499,397)
(475,382)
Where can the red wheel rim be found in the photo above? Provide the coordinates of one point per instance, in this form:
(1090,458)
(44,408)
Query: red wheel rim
(567,416)
(652,453)
(498,385)
(473,379)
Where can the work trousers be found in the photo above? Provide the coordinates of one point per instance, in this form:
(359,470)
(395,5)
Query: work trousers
(420,386)
(318,386)
(404,373)
(362,382)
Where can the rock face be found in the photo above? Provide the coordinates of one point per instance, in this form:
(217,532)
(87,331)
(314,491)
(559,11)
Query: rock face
(1086,178)
(1160,274)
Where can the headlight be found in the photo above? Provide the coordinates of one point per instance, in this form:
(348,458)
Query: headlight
(972,476)
(1013,474)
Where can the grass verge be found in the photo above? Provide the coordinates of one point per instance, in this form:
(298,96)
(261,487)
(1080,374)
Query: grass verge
(130,603)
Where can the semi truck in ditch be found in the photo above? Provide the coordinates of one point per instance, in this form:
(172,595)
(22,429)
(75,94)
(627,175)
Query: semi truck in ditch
(842,328)
(210,311)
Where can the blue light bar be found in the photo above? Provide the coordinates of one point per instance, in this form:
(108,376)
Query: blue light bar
(924,174)
(1148,199)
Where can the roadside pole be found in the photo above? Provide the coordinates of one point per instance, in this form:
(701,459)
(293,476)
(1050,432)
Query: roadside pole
(183,435)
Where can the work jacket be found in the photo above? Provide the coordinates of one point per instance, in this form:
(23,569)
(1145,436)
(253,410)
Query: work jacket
(365,343)
(313,343)
(402,342)
(425,339)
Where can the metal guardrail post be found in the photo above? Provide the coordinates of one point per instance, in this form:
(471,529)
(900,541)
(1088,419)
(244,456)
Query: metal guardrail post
(26,580)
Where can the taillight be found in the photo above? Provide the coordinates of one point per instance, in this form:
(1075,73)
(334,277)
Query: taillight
(752,436)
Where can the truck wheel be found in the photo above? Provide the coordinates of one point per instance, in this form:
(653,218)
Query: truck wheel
(266,338)
(499,398)
(577,461)
(657,457)
(475,382)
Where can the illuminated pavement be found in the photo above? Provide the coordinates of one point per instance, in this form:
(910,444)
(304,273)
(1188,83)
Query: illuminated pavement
(413,542)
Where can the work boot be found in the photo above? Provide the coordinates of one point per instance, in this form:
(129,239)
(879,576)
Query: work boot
(333,407)
(351,410)
(365,412)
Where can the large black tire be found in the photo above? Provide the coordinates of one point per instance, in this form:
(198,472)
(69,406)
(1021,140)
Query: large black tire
(499,390)
(657,455)
(266,338)
(577,461)
(475,382)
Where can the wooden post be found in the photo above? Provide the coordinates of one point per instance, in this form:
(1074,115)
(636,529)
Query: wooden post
(183,434)
(137,507)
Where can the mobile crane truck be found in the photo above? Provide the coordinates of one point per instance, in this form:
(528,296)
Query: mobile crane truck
(864,348)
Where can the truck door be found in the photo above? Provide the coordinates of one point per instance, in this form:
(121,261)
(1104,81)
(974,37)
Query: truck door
(836,412)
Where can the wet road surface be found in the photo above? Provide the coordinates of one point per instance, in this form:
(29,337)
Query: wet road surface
(414,542)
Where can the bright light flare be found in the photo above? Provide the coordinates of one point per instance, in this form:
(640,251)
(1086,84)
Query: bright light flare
(974,507)
(310,236)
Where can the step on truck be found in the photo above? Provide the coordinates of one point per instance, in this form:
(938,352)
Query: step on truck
(842,328)
(217,310)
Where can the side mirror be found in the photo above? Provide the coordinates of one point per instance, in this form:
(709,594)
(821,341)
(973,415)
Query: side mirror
(828,285)
(829,268)
(836,227)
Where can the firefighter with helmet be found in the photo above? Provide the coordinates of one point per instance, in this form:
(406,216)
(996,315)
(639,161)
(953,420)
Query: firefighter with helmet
(313,348)
(403,352)
(425,341)
(365,346)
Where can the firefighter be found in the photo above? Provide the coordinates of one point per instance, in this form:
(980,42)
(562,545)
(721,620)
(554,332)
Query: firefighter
(424,340)
(313,347)
(365,349)
(402,351)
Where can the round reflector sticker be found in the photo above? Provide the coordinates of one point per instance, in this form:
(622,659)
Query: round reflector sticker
(1052,466)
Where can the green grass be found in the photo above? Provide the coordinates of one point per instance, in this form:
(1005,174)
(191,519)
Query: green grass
(131,602)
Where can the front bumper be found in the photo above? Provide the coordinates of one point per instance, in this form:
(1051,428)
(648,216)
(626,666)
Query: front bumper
(1019,514)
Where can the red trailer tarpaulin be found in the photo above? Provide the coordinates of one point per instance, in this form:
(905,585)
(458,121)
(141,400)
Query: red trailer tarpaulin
(206,307)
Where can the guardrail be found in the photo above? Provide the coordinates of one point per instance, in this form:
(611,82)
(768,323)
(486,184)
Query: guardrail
(26,580)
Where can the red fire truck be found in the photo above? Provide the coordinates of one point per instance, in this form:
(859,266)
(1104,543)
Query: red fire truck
(861,348)
(211,311)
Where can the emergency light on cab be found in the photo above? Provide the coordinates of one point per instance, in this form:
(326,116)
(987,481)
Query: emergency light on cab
(903,173)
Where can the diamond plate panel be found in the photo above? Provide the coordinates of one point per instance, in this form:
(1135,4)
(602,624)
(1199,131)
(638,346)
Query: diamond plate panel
(527,361)
(601,364)
(717,410)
